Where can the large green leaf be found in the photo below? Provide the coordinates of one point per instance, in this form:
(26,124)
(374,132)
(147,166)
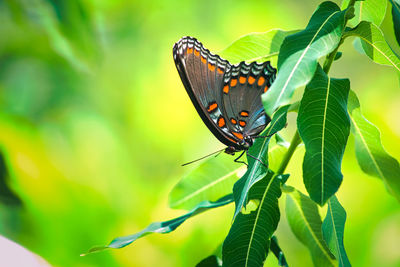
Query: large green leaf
(249,238)
(211,180)
(333,231)
(255,46)
(299,53)
(367,10)
(166,226)
(374,44)
(396,18)
(324,126)
(215,177)
(256,170)
(305,222)
(371,156)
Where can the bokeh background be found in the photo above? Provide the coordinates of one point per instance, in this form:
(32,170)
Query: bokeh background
(95,123)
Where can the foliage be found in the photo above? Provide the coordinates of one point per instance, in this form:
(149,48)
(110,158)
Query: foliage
(74,79)
(324,126)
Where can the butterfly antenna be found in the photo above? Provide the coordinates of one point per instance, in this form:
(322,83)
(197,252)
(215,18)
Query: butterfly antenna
(219,151)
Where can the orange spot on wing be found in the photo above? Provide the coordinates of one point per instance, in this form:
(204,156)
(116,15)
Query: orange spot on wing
(232,140)
(233,82)
(221,122)
(189,50)
(196,53)
(220,71)
(242,123)
(251,80)
(265,88)
(212,107)
(226,89)
(244,114)
(211,67)
(238,135)
(203,59)
(233,121)
(242,79)
(261,81)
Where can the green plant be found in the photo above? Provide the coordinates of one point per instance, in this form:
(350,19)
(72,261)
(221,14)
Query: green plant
(326,114)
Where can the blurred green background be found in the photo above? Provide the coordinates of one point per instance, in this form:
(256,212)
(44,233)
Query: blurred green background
(95,122)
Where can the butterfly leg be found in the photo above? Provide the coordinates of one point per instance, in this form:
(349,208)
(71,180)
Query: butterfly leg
(239,161)
(247,153)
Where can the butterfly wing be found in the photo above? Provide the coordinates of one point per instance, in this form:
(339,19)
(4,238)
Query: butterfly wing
(242,89)
(202,74)
(227,97)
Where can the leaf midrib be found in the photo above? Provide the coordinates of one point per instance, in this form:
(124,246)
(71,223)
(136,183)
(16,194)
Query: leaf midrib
(226,176)
(254,168)
(367,147)
(323,139)
(313,234)
(302,56)
(257,216)
(376,48)
(336,235)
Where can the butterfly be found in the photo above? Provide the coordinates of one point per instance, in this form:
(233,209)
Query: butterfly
(227,97)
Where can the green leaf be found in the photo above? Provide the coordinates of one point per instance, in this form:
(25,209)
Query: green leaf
(396,18)
(276,153)
(255,46)
(371,156)
(211,180)
(256,171)
(211,261)
(300,52)
(248,241)
(333,231)
(374,44)
(166,226)
(274,247)
(368,10)
(305,222)
(324,126)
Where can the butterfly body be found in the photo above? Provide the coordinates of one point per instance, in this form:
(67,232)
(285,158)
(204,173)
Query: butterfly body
(226,96)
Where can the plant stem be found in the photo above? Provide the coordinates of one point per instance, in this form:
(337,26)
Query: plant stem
(296,140)
(331,57)
(329,60)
